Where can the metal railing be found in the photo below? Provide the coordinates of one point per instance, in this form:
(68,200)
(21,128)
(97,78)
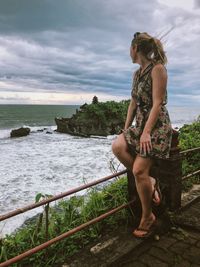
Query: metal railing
(70,192)
(189,175)
(183,154)
(70,232)
(82,226)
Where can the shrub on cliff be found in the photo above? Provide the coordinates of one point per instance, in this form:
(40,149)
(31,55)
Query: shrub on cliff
(189,137)
(105,112)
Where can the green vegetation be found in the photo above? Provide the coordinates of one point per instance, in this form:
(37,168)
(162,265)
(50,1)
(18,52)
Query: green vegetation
(103,113)
(67,215)
(78,209)
(189,137)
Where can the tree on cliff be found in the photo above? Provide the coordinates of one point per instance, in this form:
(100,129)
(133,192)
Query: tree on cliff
(95,100)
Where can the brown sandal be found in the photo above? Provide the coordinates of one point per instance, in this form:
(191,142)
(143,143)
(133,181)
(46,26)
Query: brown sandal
(149,232)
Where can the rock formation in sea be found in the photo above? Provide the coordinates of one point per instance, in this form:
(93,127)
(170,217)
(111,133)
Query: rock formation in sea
(97,118)
(20,132)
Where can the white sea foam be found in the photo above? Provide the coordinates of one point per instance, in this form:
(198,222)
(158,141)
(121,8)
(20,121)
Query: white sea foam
(50,164)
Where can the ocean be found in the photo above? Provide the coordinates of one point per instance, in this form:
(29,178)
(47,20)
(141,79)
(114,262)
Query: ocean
(49,162)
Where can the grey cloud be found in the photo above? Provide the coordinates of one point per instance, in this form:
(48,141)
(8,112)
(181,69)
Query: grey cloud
(37,15)
(76,46)
(196,3)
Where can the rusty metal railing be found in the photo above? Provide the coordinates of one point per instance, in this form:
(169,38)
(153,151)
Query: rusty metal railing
(70,192)
(189,150)
(189,175)
(69,233)
(183,154)
(62,236)
(80,227)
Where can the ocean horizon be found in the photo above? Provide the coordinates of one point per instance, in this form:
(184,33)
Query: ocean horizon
(34,115)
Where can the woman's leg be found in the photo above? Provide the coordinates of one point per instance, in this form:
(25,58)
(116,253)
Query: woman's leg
(121,151)
(141,168)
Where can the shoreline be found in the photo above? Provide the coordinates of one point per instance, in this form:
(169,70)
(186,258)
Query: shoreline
(5,132)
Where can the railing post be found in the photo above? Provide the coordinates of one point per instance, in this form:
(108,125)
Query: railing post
(169,173)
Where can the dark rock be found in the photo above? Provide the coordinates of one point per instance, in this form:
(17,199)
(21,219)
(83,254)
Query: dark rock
(20,132)
(86,129)
(95,119)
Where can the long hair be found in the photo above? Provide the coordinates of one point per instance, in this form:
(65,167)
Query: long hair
(150,47)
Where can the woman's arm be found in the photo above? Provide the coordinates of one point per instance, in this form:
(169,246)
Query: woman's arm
(159,79)
(131,113)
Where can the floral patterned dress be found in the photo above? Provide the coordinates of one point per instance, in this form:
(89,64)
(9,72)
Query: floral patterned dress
(161,134)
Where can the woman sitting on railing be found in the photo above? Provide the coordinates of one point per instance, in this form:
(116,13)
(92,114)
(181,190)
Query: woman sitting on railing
(150,138)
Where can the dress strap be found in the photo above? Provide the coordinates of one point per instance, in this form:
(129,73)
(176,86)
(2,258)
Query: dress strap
(146,70)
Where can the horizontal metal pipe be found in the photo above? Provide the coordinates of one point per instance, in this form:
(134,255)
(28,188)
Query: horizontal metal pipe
(45,201)
(190,175)
(189,203)
(64,235)
(189,150)
(72,191)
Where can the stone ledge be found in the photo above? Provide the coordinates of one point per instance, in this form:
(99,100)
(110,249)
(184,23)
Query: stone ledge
(112,247)
(117,245)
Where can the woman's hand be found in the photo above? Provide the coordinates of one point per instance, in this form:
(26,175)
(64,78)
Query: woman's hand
(145,142)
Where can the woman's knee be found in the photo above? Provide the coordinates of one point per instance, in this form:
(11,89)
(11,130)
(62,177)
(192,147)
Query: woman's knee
(118,145)
(141,168)
(138,171)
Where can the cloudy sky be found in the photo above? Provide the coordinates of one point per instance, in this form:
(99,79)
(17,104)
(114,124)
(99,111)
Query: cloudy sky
(67,51)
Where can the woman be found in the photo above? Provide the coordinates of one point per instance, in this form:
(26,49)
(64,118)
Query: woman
(137,146)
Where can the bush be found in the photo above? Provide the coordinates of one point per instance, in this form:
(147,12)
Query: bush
(189,137)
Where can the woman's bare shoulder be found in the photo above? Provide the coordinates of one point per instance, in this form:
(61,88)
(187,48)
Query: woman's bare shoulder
(160,69)
(159,66)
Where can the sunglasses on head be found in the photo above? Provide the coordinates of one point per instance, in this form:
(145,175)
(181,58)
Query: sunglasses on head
(136,35)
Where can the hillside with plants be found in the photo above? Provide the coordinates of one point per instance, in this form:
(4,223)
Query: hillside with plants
(97,118)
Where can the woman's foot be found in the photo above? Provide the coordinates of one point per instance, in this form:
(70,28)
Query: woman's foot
(156,195)
(146,228)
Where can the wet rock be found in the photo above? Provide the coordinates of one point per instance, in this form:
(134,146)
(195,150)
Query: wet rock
(20,132)
(87,128)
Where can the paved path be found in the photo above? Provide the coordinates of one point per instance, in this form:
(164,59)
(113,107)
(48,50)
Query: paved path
(178,247)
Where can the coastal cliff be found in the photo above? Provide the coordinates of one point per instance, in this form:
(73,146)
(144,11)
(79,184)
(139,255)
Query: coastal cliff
(97,118)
